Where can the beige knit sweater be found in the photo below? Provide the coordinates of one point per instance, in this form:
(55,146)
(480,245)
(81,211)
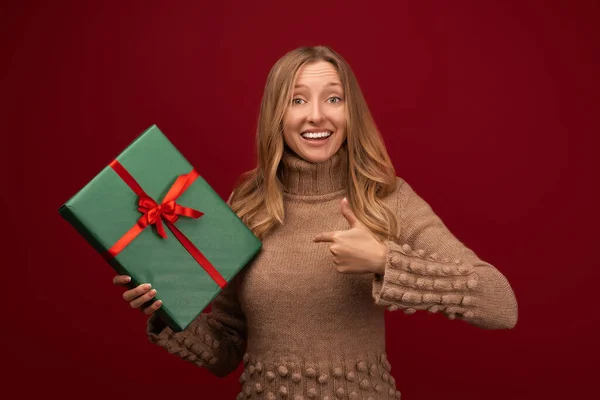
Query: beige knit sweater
(306,331)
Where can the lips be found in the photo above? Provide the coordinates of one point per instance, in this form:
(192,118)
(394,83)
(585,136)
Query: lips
(314,134)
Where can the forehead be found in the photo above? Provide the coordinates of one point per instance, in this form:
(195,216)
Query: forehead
(316,73)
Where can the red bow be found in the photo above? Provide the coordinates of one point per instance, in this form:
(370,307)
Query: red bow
(154,213)
(168,210)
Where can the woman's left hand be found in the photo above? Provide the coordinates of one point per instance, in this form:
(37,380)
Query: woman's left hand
(356,250)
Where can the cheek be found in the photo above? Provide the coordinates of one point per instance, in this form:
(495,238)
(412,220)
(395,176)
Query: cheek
(294,120)
(290,121)
(340,120)
(289,128)
(287,137)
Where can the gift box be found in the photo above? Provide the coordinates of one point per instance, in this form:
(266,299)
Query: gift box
(153,217)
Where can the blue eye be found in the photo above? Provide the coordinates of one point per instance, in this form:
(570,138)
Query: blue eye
(297,101)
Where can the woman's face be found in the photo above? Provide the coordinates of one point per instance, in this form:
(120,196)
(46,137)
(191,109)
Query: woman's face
(314,125)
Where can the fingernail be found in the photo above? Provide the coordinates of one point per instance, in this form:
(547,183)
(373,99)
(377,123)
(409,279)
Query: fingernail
(127,278)
(152,292)
(146,286)
(158,303)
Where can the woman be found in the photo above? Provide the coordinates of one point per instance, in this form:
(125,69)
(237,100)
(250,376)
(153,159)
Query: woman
(343,239)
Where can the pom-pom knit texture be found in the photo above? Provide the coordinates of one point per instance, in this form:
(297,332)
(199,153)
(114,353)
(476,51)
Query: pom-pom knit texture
(304,330)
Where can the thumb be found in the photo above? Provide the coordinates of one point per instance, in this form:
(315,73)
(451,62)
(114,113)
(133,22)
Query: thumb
(348,213)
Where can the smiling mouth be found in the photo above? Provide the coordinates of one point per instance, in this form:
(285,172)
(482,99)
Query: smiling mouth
(316,135)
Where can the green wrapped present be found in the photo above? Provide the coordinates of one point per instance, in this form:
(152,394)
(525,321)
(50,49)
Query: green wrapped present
(152,217)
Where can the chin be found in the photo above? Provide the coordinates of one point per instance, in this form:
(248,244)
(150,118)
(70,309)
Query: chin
(317,155)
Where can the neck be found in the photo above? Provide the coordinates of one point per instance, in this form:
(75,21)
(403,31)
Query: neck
(301,177)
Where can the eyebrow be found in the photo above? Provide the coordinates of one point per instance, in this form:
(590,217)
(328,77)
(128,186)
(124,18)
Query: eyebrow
(329,84)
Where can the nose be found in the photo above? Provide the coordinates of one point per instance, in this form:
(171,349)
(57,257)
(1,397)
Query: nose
(316,113)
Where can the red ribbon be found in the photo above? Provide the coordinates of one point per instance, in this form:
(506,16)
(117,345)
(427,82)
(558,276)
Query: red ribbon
(168,210)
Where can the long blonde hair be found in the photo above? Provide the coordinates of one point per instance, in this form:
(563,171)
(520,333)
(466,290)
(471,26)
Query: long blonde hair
(258,197)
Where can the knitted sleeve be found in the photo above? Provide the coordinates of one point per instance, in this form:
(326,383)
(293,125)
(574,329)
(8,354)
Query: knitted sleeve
(432,270)
(215,340)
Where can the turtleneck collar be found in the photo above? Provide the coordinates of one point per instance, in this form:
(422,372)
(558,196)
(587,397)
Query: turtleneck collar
(301,177)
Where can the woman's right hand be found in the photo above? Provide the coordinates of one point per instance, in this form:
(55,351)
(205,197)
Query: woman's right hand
(139,296)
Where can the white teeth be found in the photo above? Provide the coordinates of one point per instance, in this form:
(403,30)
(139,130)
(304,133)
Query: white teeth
(316,135)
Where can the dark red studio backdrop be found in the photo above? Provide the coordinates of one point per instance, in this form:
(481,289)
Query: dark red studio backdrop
(488,110)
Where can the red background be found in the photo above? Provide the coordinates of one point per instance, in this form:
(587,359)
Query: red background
(488,110)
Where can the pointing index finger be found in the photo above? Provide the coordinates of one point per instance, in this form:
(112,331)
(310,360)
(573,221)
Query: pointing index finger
(324,237)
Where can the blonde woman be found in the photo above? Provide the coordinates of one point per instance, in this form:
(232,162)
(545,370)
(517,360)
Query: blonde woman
(344,239)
